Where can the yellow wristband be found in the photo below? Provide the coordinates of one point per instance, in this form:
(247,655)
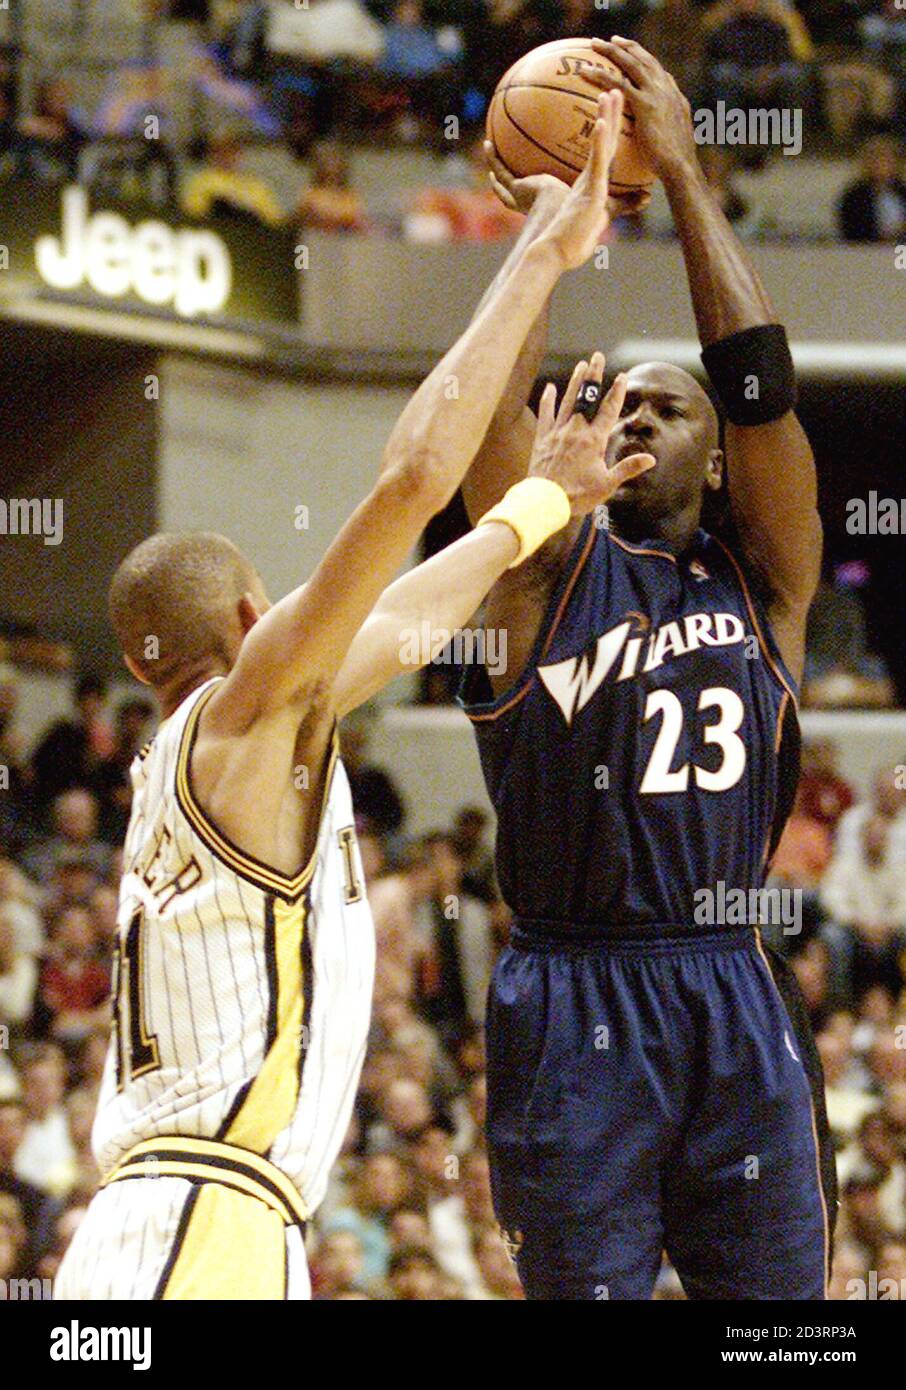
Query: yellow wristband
(535,509)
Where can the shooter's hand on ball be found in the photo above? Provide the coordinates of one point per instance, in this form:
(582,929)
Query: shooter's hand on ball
(577,226)
(663,118)
(569,449)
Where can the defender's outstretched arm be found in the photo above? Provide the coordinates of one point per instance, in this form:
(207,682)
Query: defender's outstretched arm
(506,449)
(293,653)
(503,456)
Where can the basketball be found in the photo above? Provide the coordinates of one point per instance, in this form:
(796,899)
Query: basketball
(542,115)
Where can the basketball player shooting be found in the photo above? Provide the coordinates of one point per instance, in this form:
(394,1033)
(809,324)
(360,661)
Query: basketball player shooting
(649,1086)
(245,945)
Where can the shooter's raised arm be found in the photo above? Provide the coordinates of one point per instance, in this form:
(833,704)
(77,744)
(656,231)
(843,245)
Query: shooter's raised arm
(770,466)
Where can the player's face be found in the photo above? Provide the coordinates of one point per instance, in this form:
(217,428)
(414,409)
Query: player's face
(666,414)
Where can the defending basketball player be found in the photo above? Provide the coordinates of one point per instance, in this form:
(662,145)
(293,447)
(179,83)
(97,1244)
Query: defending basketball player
(245,946)
(648,1085)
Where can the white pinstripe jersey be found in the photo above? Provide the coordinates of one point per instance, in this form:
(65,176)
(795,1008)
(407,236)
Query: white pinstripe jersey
(242,997)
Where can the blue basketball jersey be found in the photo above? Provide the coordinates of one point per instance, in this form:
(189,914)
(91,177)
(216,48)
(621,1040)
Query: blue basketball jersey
(650,748)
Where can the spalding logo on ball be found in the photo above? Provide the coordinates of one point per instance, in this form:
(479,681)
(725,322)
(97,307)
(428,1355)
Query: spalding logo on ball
(543,112)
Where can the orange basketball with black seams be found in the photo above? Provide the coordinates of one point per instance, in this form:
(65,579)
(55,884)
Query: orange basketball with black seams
(542,115)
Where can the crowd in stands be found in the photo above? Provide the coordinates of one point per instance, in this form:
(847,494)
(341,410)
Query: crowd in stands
(332,73)
(408,1212)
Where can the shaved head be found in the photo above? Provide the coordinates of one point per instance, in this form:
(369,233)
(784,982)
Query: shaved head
(674,378)
(174,602)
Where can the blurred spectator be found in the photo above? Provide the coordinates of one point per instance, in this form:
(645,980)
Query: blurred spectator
(849,1273)
(812,968)
(750,56)
(478,873)
(84,1175)
(21,944)
(804,850)
(104,904)
(10,740)
(50,140)
(720,164)
(111,781)
(323,30)
(846,1097)
(873,1157)
(870,857)
(243,46)
(867,894)
(374,856)
(502,30)
(34,1204)
(823,793)
(452,1220)
(420,62)
(330,203)
(885,27)
(74,842)
(382,1187)
(18,975)
(337,1264)
(405,1112)
(857,93)
(75,984)
(8,96)
(62,1231)
(222,188)
(14,788)
(675,33)
(319,56)
(414,1275)
(471,212)
(374,795)
(886,801)
(873,208)
(46,1153)
(13,1241)
(840,668)
(455,942)
(863,1220)
(72,748)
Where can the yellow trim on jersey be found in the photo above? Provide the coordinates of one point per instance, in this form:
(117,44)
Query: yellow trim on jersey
(231,1249)
(210,1161)
(271,1099)
(246,865)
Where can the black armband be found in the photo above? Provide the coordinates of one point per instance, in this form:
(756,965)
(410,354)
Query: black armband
(752,373)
